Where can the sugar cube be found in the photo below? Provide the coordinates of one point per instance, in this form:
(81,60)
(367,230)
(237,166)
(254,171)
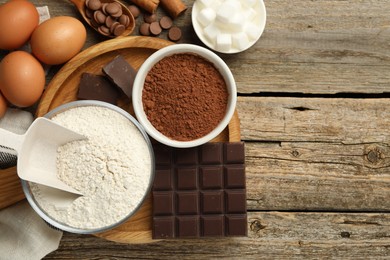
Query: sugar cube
(206,16)
(252,31)
(237,22)
(240,40)
(224,42)
(249,3)
(224,12)
(211,32)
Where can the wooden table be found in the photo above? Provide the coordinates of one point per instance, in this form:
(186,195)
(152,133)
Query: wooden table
(314,106)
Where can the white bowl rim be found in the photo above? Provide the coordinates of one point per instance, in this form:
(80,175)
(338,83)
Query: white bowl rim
(170,50)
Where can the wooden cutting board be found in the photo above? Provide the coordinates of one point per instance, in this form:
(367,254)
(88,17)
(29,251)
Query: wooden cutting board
(63,89)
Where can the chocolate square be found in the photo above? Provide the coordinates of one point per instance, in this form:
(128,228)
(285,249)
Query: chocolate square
(211,153)
(187,178)
(234,153)
(162,180)
(236,225)
(163,203)
(235,176)
(187,157)
(235,201)
(162,155)
(211,177)
(187,203)
(188,226)
(212,202)
(213,225)
(163,227)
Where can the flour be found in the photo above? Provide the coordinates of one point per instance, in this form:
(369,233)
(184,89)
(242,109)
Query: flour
(112,168)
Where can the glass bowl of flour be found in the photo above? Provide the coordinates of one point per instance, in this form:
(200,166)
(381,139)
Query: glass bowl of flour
(113,168)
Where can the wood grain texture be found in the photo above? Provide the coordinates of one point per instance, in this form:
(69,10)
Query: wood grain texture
(10,187)
(280,235)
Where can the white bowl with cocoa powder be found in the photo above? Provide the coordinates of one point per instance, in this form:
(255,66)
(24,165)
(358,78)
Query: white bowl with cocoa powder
(184,95)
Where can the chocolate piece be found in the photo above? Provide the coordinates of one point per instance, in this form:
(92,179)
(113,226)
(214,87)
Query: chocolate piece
(119,29)
(150,18)
(199,192)
(104,30)
(99,17)
(97,87)
(113,8)
(144,29)
(166,22)
(155,28)
(124,20)
(174,34)
(134,10)
(109,21)
(93,4)
(121,73)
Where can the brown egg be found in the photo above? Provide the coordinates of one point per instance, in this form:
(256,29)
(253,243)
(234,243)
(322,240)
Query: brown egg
(22,78)
(18,19)
(58,39)
(3,106)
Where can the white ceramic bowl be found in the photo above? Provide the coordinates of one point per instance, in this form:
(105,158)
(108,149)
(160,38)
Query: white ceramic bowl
(168,51)
(259,20)
(61,226)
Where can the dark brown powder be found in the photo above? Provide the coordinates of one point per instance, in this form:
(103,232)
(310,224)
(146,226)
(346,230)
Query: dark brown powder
(184,96)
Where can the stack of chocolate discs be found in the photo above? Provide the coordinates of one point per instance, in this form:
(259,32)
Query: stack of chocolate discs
(107,18)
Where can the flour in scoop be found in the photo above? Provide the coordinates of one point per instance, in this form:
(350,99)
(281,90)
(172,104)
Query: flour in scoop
(112,168)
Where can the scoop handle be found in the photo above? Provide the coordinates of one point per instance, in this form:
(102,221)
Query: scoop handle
(11,140)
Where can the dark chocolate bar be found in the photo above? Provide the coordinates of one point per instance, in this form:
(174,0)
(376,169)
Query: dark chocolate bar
(121,73)
(199,192)
(97,87)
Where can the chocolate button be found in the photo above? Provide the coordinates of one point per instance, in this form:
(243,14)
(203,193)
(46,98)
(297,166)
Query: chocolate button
(174,34)
(113,8)
(144,29)
(119,29)
(134,10)
(125,20)
(166,22)
(109,21)
(155,28)
(93,4)
(104,30)
(99,17)
(150,18)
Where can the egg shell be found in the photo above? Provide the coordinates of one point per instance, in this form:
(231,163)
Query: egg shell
(3,106)
(18,19)
(22,78)
(58,39)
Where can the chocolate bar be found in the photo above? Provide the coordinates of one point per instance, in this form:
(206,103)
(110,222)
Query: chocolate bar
(97,87)
(199,192)
(121,73)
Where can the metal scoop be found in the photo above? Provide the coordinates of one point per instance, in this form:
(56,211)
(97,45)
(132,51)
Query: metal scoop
(37,151)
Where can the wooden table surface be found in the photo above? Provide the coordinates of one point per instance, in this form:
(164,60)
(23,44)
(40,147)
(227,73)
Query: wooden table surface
(314,105)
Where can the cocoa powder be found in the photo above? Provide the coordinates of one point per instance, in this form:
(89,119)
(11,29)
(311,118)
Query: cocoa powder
(184,96)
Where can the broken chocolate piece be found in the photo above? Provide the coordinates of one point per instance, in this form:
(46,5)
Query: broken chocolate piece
(97,87)
(121,73)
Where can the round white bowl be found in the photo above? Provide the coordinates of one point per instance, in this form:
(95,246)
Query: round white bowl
(64,227)
(259,21)
(139,85)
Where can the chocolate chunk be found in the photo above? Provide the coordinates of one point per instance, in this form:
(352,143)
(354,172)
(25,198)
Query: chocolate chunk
(166,22)
(113,8)
(144,29)
(97,87)
(174,34)
(199,192)
(155,28)
(121,73)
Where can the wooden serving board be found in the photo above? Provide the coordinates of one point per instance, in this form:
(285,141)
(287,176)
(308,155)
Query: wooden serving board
(63,89)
